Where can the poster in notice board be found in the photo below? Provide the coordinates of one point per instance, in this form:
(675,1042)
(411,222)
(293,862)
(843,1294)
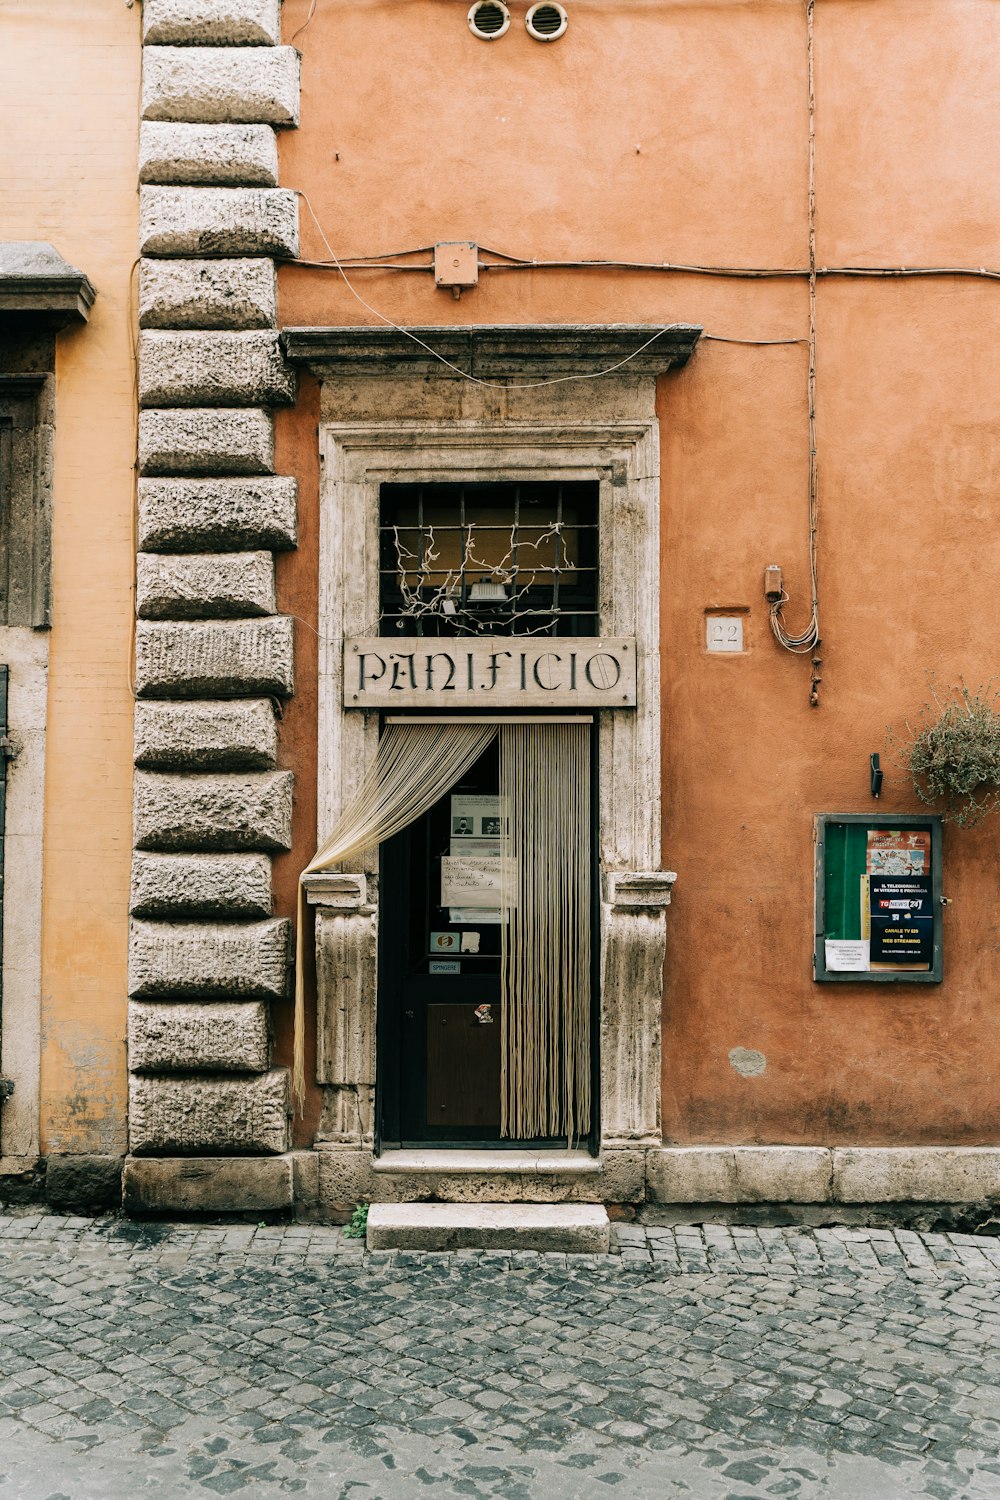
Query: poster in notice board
(877,883)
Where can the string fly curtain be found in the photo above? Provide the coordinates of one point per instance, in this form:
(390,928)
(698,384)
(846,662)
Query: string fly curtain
(545,1064)
(546,923)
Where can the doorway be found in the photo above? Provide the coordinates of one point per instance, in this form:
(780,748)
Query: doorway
(485,997)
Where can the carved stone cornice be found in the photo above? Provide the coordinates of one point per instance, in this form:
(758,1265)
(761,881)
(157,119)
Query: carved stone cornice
(529,351)
(37,284)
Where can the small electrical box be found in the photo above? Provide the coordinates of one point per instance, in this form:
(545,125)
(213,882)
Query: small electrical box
(456,264)
(724,632)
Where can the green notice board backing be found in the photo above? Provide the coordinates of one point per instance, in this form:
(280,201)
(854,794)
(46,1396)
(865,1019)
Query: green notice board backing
(878,899)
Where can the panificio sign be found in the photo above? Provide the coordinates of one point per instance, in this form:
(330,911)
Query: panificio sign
(490,672)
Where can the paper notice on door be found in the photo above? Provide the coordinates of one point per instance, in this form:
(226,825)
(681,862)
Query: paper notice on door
(466,916)
(846,957)
(475,817)
(475,882)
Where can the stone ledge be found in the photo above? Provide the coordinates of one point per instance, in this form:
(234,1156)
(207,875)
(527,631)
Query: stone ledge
(233,813)
(479,1163)
(219,221)
(347,1176)
(207,294)
(217,515)
(203,1036)
(175,887)
(229,960)
(903,1174)
(214,658)
(237,735)
(209,1184)
(221,85)
(576,1229)
(738,1174)
(208,155)
(236,1116)
(208,368)
(214,440)
(211,23)
(204,585)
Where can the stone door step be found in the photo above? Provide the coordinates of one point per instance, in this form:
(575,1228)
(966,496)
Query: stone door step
(580,1228)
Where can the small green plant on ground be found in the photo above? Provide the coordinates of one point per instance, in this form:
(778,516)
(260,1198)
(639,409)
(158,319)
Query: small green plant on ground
(355,1229)
(953,753)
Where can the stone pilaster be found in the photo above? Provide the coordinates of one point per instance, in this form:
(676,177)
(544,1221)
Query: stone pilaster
(207,957)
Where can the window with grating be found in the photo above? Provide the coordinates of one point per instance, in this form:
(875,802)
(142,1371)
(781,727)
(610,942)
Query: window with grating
(480,559)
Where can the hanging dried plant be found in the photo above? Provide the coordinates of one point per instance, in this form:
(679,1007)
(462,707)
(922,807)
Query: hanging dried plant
(953,753)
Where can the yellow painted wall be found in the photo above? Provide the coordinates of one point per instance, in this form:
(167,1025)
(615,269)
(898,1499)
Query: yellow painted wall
(69,84)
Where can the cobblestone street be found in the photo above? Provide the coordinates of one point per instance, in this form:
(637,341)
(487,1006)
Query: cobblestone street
(175,1360)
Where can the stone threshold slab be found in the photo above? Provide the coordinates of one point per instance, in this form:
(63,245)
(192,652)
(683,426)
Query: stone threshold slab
(580,1228)
(488,1163)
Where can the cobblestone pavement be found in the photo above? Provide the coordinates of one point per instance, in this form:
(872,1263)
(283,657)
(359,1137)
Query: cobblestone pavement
(708,1363)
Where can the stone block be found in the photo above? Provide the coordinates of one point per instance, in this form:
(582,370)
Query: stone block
(582,1229)
(349,1175)
(211,23)
(178,886)
(213,812)
(214,658)
(207,294)
(208,1036)
(83,1184)
(221,85)
(305,1178)
(202,585)
(208,1185)
(216,440)
(208,155)
(210,515)
(235,960)
(218,221)
(916,1174)
(213,367)
(229,736)
(738,1174)
(189,1114)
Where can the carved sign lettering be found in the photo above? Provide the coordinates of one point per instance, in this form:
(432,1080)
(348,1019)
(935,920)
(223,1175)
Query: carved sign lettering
(484,672)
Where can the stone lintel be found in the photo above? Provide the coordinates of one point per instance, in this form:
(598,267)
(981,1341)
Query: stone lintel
(214,658)
(208,155)
(204,585)
(175,813)
(221,85)
(218,221)
(188,1114)
(520,353)
(178,886)
(201,1036)
(207,1184)
(211,23)
(238,293)
(231,735)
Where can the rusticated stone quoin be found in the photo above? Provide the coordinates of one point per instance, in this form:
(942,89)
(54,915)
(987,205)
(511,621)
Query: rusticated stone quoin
(207,294)
(213,658)
(229,736)
(218,221)
(211,23)
(175,886)
(235,1116)
(215,85)
(208,155)
(216,1036)
(213,812)
(199,369)
(217,440)
(217,515)
(241,960)
(199,586)
(239,1184)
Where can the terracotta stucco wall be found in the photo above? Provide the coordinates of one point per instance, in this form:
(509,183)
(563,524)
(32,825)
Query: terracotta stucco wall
(70,80)
(676,131)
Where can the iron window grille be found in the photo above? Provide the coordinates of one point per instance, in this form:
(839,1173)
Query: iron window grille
(497,559)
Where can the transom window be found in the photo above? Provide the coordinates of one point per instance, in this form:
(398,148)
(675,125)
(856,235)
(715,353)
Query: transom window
(473,559)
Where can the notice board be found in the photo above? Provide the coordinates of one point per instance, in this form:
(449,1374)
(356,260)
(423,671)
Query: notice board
(878,899)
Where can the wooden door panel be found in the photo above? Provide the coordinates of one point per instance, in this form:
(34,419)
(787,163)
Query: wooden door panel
(463,1067)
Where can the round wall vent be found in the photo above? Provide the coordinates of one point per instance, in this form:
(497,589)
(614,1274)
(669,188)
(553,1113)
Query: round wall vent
(488,19)
(547,22)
